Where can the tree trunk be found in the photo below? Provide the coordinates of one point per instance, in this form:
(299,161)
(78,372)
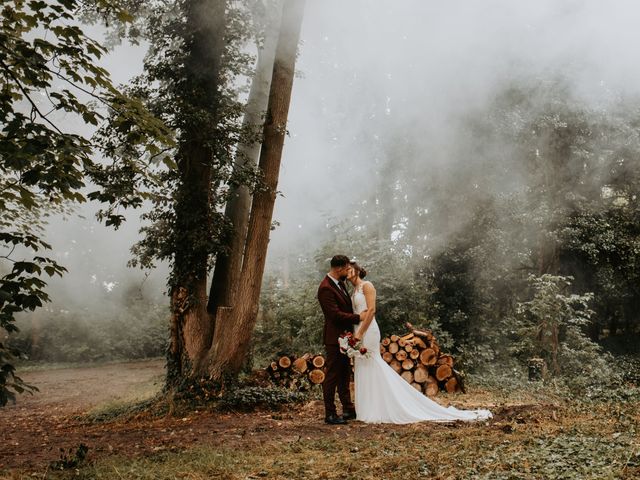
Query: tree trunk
(232,334)
(226,273)
(190,324)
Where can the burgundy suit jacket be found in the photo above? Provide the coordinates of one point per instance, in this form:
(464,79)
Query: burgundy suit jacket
(337,309)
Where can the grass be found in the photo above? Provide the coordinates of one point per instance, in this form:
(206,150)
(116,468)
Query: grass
(537,438)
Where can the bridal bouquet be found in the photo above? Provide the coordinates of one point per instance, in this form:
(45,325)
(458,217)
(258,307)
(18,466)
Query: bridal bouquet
(351,347)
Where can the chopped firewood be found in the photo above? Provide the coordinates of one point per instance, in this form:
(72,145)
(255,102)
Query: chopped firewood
(407,375)
(401,355)
(387,357)
(452,385)
(394,338)
(408,336)
(408,364)
(417,386)
(428,357)
(443,372)
(316,376)
(318,361)
(396,365)
(393,348)
(408,348)
(414,354)
(300,364)
(431,387)
(284,362)
(419,343)
(419,333)
(421,374)
(445,359)
(401,342)
(386,341)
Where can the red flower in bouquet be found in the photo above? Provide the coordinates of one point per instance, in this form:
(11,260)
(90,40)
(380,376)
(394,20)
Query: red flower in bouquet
(352,347)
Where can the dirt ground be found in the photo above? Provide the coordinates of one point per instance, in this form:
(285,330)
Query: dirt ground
(34,432)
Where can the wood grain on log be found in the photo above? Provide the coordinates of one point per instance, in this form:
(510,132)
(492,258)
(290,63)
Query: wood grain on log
(431,387)
(316,376)
(443,372)
(318,361)
(445,360)
(387,357)
(452,385)
(407,376)
(428,357)
(421,374)
(393,348)
(408,364)
(414,354)
(300,365)
(419,343)
(401,355)
(395,364)
(284,362)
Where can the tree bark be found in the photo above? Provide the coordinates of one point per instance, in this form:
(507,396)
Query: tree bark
(190,323)
(232,334)
(228,265)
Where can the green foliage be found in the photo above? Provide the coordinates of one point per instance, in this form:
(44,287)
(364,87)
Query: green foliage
(120,332)
(250,398)
(552,326)
(50,68)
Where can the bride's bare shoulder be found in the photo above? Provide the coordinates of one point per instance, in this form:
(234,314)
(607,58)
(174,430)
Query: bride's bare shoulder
(366,284)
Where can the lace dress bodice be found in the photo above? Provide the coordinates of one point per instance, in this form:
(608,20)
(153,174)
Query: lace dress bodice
(358,299)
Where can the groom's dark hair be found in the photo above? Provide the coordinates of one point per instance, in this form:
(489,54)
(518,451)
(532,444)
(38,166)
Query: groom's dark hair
(339,261)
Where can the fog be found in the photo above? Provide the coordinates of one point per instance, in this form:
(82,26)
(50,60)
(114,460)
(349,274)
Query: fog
(373,71)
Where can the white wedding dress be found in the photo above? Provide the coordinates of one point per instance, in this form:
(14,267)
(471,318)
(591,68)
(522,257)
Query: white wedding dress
(383,396)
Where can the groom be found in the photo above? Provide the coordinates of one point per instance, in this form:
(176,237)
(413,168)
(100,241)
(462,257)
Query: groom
(338,318)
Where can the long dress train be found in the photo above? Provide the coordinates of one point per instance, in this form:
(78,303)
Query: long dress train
(383,396)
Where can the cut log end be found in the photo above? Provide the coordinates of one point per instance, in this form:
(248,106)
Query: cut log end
(284,362)
(428,357)
(316,376)
(443,372)
(407,376)
(318,361)
(452,385)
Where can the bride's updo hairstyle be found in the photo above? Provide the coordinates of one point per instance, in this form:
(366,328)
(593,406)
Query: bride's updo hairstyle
(359,270)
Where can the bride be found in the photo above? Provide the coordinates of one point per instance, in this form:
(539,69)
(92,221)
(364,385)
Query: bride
(381,395)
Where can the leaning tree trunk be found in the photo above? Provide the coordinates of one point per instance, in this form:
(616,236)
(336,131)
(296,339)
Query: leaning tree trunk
(191,330)
(235,325)
(229,264)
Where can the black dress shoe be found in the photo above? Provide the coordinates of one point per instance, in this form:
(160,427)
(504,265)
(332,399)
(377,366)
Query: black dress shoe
(334,420)
(349,415)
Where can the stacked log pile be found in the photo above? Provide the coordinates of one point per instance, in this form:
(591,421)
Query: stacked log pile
(417,358)
(297,373)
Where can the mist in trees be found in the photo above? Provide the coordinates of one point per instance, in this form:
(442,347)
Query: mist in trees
(456,151)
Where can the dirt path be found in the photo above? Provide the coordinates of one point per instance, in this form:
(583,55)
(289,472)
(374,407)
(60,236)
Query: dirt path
(33,432)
